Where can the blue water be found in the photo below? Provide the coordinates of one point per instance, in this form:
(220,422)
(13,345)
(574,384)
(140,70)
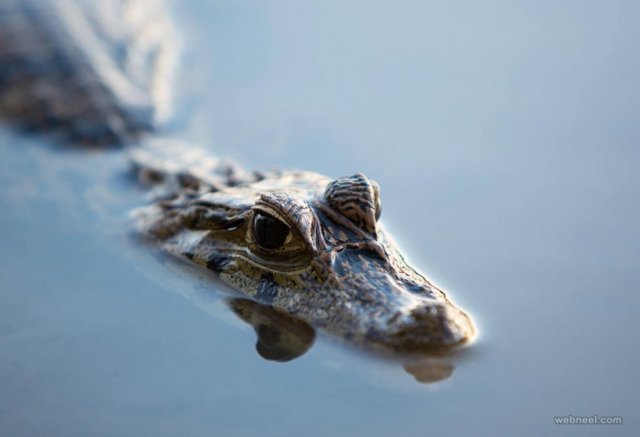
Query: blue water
(505,140)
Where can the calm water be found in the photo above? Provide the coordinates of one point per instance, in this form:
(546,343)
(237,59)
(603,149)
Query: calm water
(506,142)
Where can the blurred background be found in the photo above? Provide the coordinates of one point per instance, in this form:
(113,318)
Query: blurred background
(504,137)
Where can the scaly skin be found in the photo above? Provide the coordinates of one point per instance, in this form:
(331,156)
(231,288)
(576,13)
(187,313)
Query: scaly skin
(99,76)
(338,270)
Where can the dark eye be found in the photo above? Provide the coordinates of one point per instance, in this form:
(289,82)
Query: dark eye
(269,232)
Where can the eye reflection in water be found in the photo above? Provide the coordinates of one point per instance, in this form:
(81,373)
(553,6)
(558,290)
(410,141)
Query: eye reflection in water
(282,337)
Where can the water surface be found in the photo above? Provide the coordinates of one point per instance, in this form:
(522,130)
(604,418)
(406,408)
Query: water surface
(505,140)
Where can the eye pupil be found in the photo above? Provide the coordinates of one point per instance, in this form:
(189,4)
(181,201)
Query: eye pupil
(269,232)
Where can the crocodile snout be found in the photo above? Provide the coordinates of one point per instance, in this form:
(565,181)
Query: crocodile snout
(431,326)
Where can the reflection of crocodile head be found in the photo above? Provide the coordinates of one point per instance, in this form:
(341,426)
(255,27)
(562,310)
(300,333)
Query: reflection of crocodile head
(312,247)
(283,338)
(280,336)
(430,369)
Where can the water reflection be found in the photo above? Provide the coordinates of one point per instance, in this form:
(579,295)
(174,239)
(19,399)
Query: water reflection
(282,337)
(430,369)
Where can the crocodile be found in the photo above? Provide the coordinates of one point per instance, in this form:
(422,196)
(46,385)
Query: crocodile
(304,244)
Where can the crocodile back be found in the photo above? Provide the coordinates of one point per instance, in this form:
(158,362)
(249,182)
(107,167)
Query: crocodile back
(95,73)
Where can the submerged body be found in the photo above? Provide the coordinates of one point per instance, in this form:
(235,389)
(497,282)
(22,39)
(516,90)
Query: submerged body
(306,244)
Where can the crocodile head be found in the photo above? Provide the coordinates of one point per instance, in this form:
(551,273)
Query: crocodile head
(314,248)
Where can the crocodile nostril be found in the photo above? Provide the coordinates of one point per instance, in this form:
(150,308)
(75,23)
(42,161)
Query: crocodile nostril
(433,326)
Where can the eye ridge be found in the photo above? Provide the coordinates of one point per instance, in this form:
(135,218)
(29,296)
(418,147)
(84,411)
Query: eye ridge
(268,231)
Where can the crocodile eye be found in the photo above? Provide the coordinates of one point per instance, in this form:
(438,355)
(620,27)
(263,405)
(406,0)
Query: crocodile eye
(269,232)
